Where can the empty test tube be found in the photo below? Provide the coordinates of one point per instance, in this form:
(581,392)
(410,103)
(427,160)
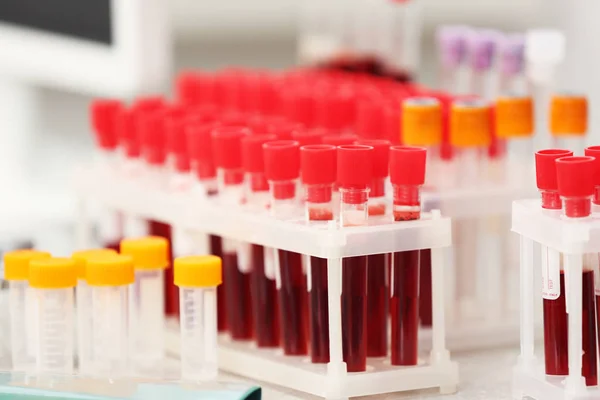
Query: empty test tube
(147,318)
(109,278)
(354,175)
(569,121)
(52,281)
(83,300)
(512,65)
(452,53)
(407,173)
(318,166)
(198,278)
(22,318)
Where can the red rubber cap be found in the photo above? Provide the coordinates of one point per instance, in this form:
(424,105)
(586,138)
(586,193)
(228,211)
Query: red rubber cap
(354,166)
(227,146)
(299,105)
(253,159)
(407,165)
(283,128)
(335,110)
(308,136)
(199,139)
(318,164)
(594,151)
(370,118)
(150,102)
(127,133)
(282,160)
(575,176)
(188,87)
(381,156)
(545,167)
(339,140)
(104,114)
(153,136)
(176,119)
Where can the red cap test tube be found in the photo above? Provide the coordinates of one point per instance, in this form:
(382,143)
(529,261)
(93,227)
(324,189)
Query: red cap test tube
(318,166)
(545,171)
(227,151)
(575,179)
(594,151)
(407,173)
(354,175)
(282,168)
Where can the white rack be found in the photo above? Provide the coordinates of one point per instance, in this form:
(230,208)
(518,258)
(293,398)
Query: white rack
(200,215)
(573,239)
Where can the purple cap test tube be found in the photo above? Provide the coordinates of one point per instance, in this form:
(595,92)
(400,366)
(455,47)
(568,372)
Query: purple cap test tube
(512,54)
(482,48)
(452,45)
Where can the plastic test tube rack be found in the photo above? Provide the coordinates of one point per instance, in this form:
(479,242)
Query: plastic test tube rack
(573,239)
(331,380)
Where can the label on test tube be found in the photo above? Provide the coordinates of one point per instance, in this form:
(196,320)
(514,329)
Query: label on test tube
(550,274)
(135,227)
(244,254)
(270,270)
(109,226)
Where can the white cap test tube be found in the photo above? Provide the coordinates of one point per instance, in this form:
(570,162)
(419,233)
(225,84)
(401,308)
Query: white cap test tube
(146,301)
(198,278)
(109,278)
(52,281)
(22,328)
(83,307)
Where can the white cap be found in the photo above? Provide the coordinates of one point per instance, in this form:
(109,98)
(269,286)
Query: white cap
(544,50)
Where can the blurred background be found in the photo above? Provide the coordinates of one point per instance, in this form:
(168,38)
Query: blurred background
(45,127)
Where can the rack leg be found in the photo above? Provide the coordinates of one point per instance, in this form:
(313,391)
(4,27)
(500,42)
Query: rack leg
(527,357)
(439,353)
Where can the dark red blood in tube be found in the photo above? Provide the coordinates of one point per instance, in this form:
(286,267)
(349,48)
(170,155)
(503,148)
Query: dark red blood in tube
(237,298)
(377,305)
(113,245)
(556,328)
(264,300)
(404,305)
(425,295)
(171,291)
(319,321)
(216,249)
(354,309)
(293,304)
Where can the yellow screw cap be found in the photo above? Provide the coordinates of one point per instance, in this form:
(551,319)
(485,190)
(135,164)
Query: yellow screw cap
(568,115)
(150,252)
(110,270)
(421,121)
(52,273)
(16,263)
(81,257)
(197,271)
(514,117)
(470,123)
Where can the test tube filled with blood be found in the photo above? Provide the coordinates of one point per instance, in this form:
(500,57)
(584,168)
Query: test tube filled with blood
(407,173)
(575,178)
(354,175)
(318,166)
(227,148)
(422,126)
(282,168)
(378,264)
(265,304)
(199,137)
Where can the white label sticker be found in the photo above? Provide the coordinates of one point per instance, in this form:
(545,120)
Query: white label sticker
(269,254)
(244,253)
(135,227)
(183,243)
(550,274)
(109,226)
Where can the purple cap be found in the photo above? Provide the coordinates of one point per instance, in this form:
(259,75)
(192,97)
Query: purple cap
(482,47)
(512,54)
(452,44)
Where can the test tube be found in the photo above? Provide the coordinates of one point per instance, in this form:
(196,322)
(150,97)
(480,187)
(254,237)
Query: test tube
(147,319)
(52,281)
(265,304)
(22,322)
(470,134)
(199,137)
(451,41)
(544,52)
(83,299)
(354,175)
(575,179)
(318,173)
(422,126)
(407,173)
(227,150)
(109,278)
(482,53)
(594,151)
(512,65)
(198,278)
(568,121)
(378,264)
(282,169)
